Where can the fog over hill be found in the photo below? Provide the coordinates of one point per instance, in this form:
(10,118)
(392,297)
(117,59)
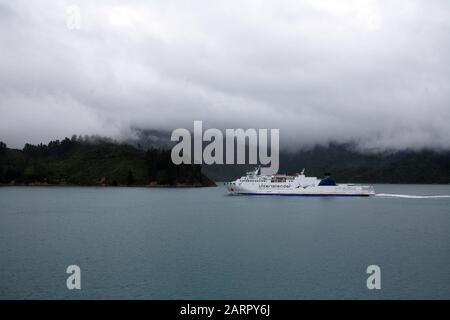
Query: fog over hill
(348,162)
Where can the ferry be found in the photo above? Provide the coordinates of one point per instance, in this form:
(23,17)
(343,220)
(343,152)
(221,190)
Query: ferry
(253,183)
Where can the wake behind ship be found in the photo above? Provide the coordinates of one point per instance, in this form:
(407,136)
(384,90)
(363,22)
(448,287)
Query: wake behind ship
(253,183)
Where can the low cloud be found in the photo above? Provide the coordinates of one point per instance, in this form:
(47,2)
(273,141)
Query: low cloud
(374,72)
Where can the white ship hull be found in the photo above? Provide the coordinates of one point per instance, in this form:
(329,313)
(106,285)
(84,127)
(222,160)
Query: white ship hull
(298,185)
(322,192)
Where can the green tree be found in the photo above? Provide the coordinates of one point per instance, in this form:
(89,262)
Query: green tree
(130,178)
(2,147)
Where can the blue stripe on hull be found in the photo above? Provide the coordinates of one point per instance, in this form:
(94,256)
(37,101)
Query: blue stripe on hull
(302,195)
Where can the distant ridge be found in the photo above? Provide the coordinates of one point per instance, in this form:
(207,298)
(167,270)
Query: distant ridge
(347,164)
(345,161)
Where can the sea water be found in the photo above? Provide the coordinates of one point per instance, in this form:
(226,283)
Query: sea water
(198,243)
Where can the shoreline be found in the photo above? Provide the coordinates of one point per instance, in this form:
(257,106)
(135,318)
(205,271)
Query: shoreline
(216,184)
(107,186)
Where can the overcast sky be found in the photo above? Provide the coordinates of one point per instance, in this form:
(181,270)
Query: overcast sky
(373,71)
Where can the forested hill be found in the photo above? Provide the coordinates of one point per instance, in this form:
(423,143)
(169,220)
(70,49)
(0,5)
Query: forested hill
(347,164)
(344,160)
(100,162)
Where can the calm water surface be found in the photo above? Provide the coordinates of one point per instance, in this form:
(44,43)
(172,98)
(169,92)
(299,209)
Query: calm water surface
(139,243)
